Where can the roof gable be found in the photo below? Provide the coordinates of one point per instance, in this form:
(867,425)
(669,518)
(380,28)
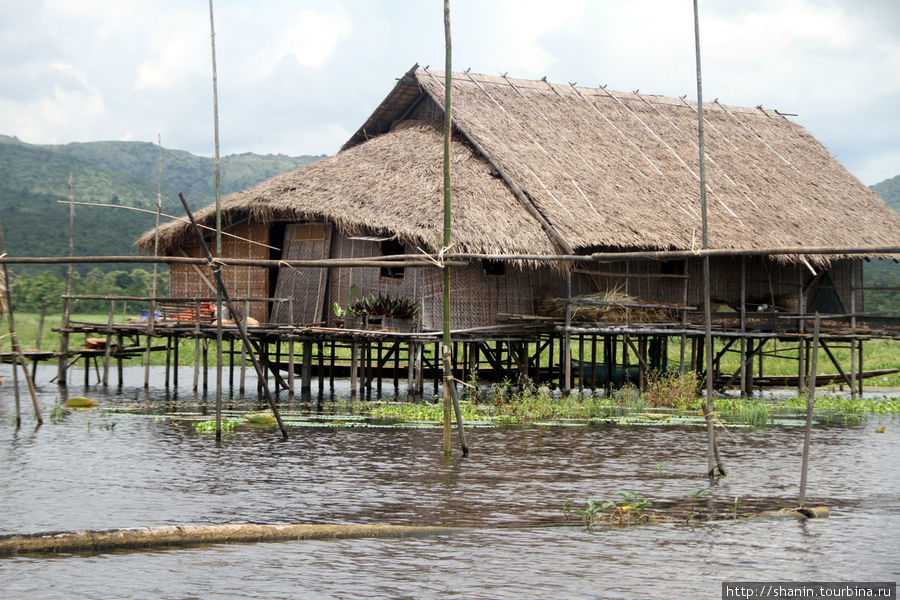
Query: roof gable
(612,169)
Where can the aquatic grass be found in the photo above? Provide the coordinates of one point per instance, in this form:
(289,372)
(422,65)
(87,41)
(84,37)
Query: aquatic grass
(845,405)
(629,510)
(746,411)
(672,389)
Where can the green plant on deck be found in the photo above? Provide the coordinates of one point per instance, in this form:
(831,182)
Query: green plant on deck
(660,466)
(383,306)
(734,506)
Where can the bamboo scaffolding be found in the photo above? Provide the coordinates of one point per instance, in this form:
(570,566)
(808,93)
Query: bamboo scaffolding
(239,321)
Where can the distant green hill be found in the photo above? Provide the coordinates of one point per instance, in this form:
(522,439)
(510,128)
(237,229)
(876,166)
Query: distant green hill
(33,178)
(884,273)
(126,172)
(889,190)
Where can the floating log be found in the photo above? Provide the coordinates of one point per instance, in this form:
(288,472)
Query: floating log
(178,535)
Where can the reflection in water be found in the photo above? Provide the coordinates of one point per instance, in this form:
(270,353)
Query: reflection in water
(93,469)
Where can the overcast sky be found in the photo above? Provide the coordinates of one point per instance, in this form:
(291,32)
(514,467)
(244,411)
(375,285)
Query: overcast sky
(300,76)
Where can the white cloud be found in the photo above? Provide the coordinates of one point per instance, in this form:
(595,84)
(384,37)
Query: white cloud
(300,77)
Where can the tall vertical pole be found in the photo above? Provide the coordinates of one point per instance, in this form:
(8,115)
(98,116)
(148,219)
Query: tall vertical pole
(212,35)
(16,347)
(448,83)
(712,454)
(151,313)
(64,326)
(810,403)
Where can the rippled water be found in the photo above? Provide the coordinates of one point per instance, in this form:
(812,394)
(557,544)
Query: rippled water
(96,469)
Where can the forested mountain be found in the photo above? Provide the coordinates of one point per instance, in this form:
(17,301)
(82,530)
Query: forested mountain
(884,273)
(33,178)
(126,172)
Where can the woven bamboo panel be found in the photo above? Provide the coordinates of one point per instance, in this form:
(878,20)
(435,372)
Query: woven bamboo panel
(196,281)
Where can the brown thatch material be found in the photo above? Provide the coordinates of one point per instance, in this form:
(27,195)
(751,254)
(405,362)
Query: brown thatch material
(609,306)
(620,170)
(566,166)
(390,184)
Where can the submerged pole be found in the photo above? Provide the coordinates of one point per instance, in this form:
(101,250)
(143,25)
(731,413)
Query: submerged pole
(450,387)
(712,451)
(810,403)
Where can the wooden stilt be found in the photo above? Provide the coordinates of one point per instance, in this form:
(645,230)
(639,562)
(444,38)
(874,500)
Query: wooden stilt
(205,350)
(242,379)
(321,366)
(354,365)
(168,360)
(291,366)
(119,361)
(108,348)
(306,376)
(176,346)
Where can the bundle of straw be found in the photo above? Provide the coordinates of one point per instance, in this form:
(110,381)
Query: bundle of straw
(609,306)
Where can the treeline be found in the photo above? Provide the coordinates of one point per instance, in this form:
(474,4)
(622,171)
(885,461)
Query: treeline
(882,274)
(33,290)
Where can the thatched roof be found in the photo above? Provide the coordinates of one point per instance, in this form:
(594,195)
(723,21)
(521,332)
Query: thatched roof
(392,184)
(544,168)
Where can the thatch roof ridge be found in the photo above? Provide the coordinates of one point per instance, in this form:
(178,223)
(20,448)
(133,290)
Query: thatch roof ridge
(619,169)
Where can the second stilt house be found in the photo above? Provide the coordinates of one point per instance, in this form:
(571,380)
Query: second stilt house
(543,169)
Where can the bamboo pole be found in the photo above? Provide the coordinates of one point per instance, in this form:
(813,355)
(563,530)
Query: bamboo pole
(448,84)
(187,535)
(212,36)
(455,259)
(712,454)
(64,326)
(17,348)
(450,384)
(810,403)
(151,312)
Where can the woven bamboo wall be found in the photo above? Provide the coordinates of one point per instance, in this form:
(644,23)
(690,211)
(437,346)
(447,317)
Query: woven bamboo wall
(768,282)
(190,281)
(302,241)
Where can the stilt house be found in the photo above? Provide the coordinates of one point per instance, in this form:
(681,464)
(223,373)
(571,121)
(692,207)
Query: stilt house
(541,169)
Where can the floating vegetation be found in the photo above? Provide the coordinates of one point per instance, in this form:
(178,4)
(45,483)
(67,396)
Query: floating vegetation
(228,426)
(81,402)
(630,509)
(265,418)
